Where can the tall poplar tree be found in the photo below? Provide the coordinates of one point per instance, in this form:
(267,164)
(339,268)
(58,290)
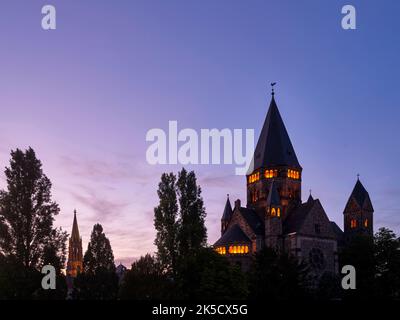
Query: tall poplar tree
(27,212)
(192,233)
(165,223)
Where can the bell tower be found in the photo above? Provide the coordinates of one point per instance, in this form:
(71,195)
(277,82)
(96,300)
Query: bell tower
(274,160)
(358,213)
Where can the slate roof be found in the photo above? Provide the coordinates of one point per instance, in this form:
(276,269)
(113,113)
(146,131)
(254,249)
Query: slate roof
(360,194)
(233,235)
(295,219)
(253,220)
(274,147)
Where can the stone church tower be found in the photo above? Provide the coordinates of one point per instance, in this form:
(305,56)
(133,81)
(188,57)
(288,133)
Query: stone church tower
(75,257)
(274,161)
(358,213)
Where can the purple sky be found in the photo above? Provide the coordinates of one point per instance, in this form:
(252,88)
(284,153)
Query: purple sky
(84,96)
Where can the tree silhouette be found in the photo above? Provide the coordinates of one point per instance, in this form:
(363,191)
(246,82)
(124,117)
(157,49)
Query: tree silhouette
(99,254)
(180,229)
(204,274)
(387,259)
(28,239)
(277,276)
(359,252)
(27,213)
(146,281)
(165,223)
(192,233)
(99,279)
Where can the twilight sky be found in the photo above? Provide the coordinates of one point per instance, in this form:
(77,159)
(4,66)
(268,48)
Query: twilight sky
(84,96)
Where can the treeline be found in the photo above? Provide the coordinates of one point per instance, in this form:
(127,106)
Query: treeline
(183,267)
(28,240)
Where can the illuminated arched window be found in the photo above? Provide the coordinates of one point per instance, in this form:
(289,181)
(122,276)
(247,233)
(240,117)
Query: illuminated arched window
(353,223)
(366,223)
(273,212)
(278,213)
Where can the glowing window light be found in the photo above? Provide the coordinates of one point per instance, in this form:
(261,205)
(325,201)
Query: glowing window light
(293,174)
(238,249)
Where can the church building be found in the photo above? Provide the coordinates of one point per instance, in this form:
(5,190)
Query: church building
(274,215)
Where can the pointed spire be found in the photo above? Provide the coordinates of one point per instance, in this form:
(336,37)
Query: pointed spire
(273,198)
(227,215)
(310,197)
(274,147)
(75,230)
(359,193)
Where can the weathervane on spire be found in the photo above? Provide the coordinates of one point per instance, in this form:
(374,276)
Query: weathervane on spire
(358,176)
(272,87)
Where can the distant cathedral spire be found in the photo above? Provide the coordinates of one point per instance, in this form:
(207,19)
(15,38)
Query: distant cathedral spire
(75,256)
(75,230)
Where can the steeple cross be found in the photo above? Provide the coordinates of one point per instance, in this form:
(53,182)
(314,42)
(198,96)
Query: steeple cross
(272,87)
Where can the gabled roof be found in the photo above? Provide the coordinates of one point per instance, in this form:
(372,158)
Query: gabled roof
(360,195)
(227,215)
(274,147)
(273,198)
(233,235)
(295,219)
(253,220)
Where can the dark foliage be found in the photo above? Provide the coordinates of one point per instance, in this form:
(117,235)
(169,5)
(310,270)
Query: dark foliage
(207,275)
(28,239)
(147,281)
(275,276)
(99,280)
